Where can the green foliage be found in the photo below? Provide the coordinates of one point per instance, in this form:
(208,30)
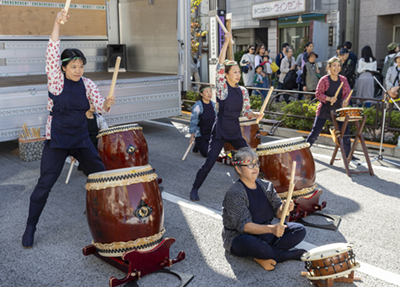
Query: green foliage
(300,49)
(238,55)
(256,102)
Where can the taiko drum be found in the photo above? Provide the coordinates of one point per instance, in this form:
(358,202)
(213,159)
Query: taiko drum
(123,146)
(276,165)
(124,210)
(250,132)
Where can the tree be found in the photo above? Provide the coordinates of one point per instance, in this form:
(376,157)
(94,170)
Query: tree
(195,26)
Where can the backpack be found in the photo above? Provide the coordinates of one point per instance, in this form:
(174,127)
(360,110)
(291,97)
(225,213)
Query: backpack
(387,65)
(289,82)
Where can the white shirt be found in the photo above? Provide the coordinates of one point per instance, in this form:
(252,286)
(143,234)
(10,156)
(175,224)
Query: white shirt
(362,65)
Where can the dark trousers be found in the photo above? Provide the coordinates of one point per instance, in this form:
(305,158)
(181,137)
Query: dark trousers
(51,165)
(317,128)
(285,96)
(214,148)
(202,145)
(268,246)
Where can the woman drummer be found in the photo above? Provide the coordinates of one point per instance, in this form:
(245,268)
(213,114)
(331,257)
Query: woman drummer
(325,93)
(232,101)
(202,121)
(248,209)
(66,129)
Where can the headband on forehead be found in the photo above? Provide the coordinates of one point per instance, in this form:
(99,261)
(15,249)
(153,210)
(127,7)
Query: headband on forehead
(230,63)
(69,59)
(333,60)
(247,161)
(204,88)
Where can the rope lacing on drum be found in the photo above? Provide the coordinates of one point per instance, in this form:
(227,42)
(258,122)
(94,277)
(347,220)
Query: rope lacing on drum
(281,145)
(117,129)
(120,177)
(122,250)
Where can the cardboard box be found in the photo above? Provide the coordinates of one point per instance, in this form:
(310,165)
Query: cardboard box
(31,150)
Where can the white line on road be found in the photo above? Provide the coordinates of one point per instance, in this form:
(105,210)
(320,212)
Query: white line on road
(365,268)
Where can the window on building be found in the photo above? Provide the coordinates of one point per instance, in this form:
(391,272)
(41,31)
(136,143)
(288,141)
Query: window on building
(396,34)
(294,36)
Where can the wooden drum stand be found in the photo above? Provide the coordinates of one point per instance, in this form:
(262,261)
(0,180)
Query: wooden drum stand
(339,134)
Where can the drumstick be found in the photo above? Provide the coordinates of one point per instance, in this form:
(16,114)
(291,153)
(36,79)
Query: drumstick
(187,151)
(70,170)
(114,78)
(346,102)
(66,7)
(337,92)
(223,27)
(39,132)
(25,127)
(289,196)
(264,105)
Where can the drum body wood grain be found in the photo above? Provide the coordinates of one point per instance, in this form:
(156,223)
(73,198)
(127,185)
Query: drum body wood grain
(250,132)
(124,210)
(276,165)
(330,261)
(355,114)
(123,146)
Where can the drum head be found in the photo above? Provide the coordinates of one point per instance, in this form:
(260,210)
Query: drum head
(247,122)
(326,251)
(349,109)
(282,146)
(117,129)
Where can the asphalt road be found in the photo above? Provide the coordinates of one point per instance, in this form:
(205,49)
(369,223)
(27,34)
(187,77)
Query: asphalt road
(367,205)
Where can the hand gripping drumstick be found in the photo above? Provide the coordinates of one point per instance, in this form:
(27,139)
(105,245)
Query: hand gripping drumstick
(346,102)
(70,170)
(264,105)
(187,151)
(114,78)
(223,27)
(337,92)
(289,196)
(66,7)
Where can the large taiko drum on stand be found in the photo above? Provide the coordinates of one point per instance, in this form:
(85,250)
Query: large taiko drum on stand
(330,261)
(124,210)
(276,166)
(355,114)
(123,146)
(250,132)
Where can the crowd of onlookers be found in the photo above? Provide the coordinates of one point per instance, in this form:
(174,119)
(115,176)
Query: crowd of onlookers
(303,73)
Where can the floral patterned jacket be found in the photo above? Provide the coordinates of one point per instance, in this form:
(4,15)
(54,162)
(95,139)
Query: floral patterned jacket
(197,110)
(222,89)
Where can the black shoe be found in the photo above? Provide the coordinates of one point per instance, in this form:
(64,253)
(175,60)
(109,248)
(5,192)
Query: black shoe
(355,158)
(27,238)
(193,195)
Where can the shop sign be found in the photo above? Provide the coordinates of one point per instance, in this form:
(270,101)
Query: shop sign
(277,8)
(331,32)
(213,38)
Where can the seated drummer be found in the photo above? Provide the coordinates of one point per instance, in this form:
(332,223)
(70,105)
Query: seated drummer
(248,208)
(202,121)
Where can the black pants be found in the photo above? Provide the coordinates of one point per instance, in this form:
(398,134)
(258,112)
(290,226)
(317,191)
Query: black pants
(214,148)
(202,145)
(268,246)
(51,165)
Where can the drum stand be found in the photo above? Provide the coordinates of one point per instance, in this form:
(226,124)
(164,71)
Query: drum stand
(137,264)
(386,98)
(359,137)
(329,282)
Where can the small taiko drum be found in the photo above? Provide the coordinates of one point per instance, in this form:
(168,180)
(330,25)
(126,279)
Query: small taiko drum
(330,261)
(124,210)
(276,159)
(123,146)
(355,114)
(250,132)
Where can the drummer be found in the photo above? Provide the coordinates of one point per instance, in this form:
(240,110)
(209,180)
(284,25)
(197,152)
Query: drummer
(325,93)
(232,101)
(202,121)
(248,209)
(66,129)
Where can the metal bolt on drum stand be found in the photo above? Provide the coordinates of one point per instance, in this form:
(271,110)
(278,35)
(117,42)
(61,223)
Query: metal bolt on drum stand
(387,98)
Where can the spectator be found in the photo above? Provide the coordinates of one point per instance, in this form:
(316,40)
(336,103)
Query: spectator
(352,56)
(248,61)
(338,50)
(389,59)
(348,67)
(310,71)
(260,50)
(267,70)
(288,64)
(280,57)
(392,79)
(259,80)
(309,47)
(195,64)
(365,83)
